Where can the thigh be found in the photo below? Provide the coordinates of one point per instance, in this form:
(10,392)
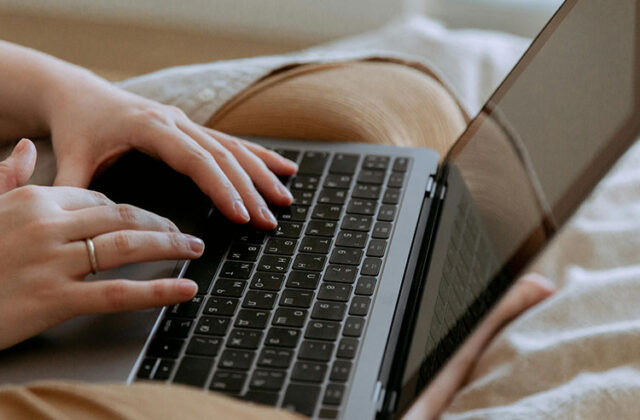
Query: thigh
(379,102)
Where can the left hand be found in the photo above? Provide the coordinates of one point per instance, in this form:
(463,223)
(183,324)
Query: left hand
(96,122)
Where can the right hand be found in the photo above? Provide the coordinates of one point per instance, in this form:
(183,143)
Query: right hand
(44,258)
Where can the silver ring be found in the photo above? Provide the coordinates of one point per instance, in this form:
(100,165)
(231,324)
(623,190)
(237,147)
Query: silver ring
(91,249)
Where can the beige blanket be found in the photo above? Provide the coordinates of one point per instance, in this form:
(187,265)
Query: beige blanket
(575,355)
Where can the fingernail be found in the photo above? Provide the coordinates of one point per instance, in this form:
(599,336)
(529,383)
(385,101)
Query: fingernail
(21,147)
(196,244)
(266,213)
(284,191)
(239,207)
(187,287)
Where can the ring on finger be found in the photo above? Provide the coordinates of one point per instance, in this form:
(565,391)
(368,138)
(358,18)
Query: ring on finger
(93,260)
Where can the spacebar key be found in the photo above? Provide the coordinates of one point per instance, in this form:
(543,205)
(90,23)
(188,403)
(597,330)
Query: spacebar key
(301,399)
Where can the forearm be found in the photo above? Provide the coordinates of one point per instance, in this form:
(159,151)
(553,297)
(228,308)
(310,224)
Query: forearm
(32,84)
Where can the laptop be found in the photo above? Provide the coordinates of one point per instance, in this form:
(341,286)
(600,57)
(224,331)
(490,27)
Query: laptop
(389,257)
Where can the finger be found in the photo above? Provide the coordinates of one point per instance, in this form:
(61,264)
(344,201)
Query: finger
(261,216)
(94,221)
(73,171)
(116,249)
(126,295)
(186,156)
(264,179)
(72,198)
(16,170)
(526,292)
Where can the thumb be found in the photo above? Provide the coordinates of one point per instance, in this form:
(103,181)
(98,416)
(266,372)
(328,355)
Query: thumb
(16,170)
(72,173)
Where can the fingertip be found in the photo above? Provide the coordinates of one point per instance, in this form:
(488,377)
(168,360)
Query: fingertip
(545,286)
(187,288)
(241,211)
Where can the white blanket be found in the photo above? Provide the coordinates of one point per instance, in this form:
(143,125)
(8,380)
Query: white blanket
(574,356)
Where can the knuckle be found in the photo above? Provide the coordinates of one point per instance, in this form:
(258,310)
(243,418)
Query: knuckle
(200,156)
(171,227)
(127,214)
(177,242)
(174,110)
(99,197)
(123,243)
(158,291)
(29,193)
(115,294)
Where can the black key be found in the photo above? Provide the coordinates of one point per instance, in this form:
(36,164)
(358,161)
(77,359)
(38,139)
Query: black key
(376,248)
(291,230)
(296,298)
(340,371)
(257,299)
(187,309)
(313,163)
(212,325)
(328,196)
(321,228)
(220,306)
(328,413)
(228,288)
(340,273)
(250,235)
(280,246)
(303,279)
(252,319)
(304,182)
(371,176)
(342,182)
(267,380)
(309,372)
(146,367)
(366,286)
(355,222)
(244,339)
(387,213)
(204,346)
(326,212)
(193,371)
(315,245)
(228,381)
(267,281)
(353,326)
(293,213)
(396,179)
(292,155)
(276,358)
(347,348)
(301,398)
(236,359)
(371,192)
(360,306)
(309,262)
(289,317)
(244,252)
(322,330)
(400,164)
(331,311)
(376,162)
(262,397)
(274,263)
(344,164)
(333,394)
(172,327)
(347,256)
(316,350)
(204,268)
(335,291)
(352,239)
(362,206)
(236,270)
(302,197)
(371,266)
(165,347)
(164,370)
(282,337)
(381,230)
(391,196)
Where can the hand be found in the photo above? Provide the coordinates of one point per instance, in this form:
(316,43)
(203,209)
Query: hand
(44,257)
(527,292)
(95,123)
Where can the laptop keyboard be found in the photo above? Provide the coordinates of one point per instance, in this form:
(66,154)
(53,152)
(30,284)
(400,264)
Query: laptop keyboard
(279,315)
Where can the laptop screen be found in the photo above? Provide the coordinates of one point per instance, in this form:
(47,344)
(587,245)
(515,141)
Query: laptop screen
(550,132)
